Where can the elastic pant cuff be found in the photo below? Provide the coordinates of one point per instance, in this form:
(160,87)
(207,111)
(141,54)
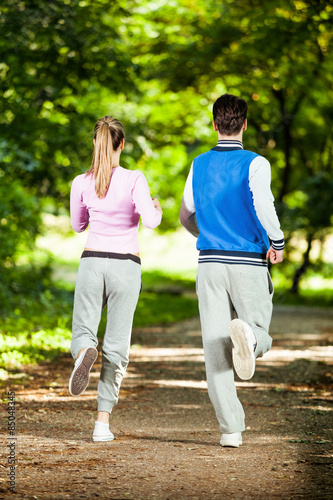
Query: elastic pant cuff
(231,430)
(76,349)
(104,405)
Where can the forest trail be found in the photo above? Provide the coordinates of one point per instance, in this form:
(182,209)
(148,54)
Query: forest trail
(167,436)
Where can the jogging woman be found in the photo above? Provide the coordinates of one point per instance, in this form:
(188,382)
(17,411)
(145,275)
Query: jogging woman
(111,199)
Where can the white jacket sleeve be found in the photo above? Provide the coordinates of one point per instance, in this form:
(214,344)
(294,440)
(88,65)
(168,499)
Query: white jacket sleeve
(187,210)
(263,200)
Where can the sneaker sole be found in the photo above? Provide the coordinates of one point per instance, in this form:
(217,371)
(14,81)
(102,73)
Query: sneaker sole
(231,445)
(80,376)
(102,439)
(242,357)
(231,442)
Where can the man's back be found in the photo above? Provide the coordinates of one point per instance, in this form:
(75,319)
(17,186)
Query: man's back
(223,201)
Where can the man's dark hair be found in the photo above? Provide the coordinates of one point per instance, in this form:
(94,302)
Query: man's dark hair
(229,113)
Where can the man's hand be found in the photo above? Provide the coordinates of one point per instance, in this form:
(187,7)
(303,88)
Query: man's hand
(157,205)
(275,256)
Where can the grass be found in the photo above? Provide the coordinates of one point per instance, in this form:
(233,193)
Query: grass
(305,297)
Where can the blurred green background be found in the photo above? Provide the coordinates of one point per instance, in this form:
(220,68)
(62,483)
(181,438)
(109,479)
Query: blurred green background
(157,66)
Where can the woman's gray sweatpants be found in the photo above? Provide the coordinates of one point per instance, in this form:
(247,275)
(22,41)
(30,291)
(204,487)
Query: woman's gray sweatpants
(116,284)
(225,289)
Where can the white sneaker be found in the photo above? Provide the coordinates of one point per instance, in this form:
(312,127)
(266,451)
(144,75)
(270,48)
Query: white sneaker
(233,440)
(80,375)
(102,432)
(244,342)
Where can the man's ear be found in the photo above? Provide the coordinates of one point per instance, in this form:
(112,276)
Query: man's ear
(215,126)
(122,144)
(245,124)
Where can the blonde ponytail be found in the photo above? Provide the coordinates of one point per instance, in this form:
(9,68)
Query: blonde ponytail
(108,134)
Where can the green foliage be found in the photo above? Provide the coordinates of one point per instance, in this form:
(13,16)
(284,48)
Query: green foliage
(52,53)
(19,219)
(312,205)
(27,347)
(35,317)
(307,297)
(158,67)
(23,288)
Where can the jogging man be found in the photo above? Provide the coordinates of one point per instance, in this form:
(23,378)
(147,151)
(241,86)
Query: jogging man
(228,205)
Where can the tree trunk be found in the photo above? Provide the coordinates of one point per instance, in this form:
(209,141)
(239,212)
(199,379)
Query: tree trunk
(286,120)
(301,270)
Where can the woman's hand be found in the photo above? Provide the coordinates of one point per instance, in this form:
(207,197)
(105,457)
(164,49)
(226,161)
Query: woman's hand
(157,205)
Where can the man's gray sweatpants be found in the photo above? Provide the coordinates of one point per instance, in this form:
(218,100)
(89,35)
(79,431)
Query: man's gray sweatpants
(225,289)
(116,284)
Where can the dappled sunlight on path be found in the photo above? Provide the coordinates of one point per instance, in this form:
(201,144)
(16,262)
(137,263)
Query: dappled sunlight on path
(167,436)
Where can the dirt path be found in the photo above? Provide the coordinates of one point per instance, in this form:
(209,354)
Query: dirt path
(167,437)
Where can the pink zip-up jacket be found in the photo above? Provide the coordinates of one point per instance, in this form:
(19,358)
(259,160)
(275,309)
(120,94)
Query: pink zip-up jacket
(114,219)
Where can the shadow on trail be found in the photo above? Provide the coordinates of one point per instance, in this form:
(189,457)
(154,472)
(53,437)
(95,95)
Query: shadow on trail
(167,435)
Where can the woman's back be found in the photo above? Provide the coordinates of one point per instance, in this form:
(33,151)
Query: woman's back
(114,219)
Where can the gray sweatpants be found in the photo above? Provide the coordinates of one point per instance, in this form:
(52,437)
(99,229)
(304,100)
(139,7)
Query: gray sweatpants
(116,284)
(223,290)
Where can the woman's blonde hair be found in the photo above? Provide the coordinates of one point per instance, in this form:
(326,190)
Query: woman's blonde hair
(108,134)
